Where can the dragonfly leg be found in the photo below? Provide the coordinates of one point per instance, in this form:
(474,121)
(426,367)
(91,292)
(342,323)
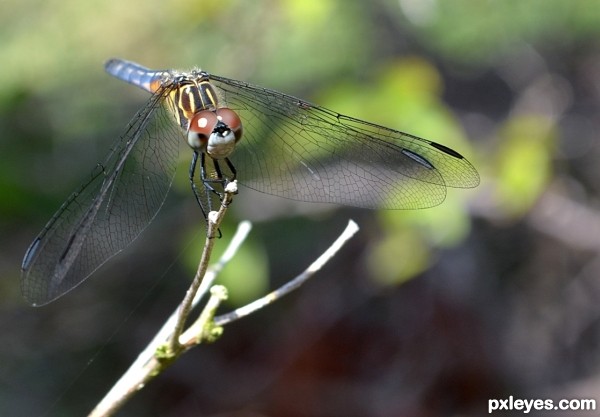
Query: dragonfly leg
(232,168)
(208,182)
(208,188)
(192,173)
(221,178)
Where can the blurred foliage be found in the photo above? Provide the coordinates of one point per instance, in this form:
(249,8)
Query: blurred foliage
(527,146)
(478,33)
(428,312)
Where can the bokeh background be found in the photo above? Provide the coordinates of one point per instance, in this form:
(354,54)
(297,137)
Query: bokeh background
(425,313)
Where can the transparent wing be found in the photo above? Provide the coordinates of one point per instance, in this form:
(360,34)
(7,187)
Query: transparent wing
(301,151)
(120,199)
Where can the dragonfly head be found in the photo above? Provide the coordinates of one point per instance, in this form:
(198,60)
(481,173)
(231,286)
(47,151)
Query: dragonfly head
(215,132)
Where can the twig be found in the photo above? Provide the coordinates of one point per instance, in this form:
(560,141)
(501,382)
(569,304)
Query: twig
(154,358)
(295,283)
(214,221)
(171,341)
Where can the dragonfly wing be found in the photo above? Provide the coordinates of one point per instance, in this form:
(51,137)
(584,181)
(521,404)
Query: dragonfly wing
(109,211)
(294,149)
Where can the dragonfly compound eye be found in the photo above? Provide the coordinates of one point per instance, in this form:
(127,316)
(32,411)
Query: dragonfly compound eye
(232,120)
(202,126)
(206,122)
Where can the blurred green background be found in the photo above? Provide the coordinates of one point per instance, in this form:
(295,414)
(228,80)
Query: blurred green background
(431,312)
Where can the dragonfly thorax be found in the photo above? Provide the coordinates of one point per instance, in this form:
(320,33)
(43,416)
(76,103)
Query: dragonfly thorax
(215,132)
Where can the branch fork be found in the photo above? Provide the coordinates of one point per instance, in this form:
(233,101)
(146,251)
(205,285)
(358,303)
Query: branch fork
(173,339)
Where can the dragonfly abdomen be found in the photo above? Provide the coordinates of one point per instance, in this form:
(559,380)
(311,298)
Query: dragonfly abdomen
(135,74)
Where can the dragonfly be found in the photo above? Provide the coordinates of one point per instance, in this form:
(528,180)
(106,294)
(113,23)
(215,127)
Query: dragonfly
(267,140)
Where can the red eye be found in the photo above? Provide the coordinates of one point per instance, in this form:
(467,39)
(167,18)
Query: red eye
(201,127)
(231,119)
(203,122)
